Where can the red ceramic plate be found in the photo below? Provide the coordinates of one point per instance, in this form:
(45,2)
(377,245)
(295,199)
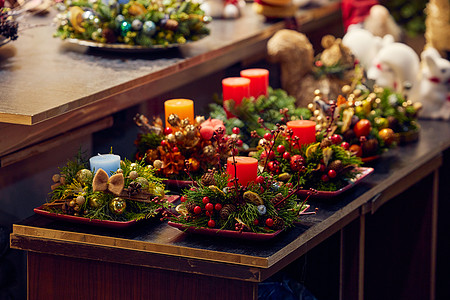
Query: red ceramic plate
(326,194)
(95,222)
(226,233)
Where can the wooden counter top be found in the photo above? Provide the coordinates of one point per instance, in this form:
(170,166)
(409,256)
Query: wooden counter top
(43,77)
(158,245)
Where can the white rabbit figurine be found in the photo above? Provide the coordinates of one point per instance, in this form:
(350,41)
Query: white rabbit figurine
(397,66)
(227,9)
(435,86)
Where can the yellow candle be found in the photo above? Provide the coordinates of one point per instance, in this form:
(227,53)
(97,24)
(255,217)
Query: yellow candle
(184,108)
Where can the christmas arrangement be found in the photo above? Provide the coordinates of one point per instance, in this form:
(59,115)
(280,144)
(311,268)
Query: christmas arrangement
(144,23)
(8,25)
(230,201)
(245,116)
(132,192)
(201,143)
(323,165)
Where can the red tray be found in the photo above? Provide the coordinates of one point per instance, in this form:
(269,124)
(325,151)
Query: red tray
(95,222)
(226,233)
(326,194)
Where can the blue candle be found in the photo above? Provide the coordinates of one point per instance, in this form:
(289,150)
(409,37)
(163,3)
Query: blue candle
(108,162)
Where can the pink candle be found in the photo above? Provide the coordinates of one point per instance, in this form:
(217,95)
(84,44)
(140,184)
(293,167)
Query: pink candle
(259,81)
(246,169)
(305,130)
(235,88)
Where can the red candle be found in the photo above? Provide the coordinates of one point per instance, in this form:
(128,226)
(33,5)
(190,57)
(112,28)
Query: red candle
(246,169)
(259,81)
(235,88)
(304,129)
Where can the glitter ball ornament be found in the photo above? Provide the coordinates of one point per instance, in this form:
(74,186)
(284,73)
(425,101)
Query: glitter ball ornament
(117,205)
(174,120)
(125,27)
(84,176)
(149,28)
(136,25)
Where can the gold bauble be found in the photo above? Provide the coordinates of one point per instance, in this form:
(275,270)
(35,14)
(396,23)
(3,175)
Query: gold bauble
(94,202)
(190,131)
(346,89)
(171,138)
(84,176)
(209,151)
(199,119)
(117,205)
(185,122)
(157,164)
(310,106)
(143,182)
(387,135)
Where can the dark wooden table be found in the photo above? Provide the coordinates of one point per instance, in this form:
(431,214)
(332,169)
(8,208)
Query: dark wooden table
(385,227)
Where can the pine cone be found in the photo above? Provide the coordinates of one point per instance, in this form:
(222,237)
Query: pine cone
(278,223)
(336,165)
(134,188)
(278,197)
(208,179)
(190,206)
(226,210)
(325,143)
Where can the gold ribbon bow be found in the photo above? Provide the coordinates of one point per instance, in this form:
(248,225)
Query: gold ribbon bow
(113,184)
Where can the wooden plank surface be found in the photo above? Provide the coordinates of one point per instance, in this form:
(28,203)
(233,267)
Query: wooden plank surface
(44,77)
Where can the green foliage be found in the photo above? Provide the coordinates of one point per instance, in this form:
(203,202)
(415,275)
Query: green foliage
(245,212)
(73,187)
(250,110)
(408,14)
(104,27)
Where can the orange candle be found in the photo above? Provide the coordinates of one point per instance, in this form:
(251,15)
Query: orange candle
(184,108)
(235,88)
(304,129)
(246,169)
(259,81)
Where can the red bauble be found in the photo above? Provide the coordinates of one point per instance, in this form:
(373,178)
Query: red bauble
(296,162)
(175,149)
(168,130)
(324,178)
(332,173)
(345,145)
(281,149)
(255,222)
(183,198)
(218,206)
(211,223)
(197,210)
(362,128)
(209,206)
(236,130)
(239,143)
(269,222)
(260,179)
(205,200)
(164,143)
(286,155)
(267,136)
(336,139)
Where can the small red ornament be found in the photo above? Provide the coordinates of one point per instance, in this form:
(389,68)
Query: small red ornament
(362,128)
(336,139)
(239,143)
(286,155)
(267,136)
(345,145)
(209,206)
(192,188)
(332,173)
(260,179)
(183,198)
(236,130)
(205,199)
(296,162)
(322,168)
(218,206)
(175,149)
(281,149)
(211,223)
(269,222)
(197,210)
(324,178)
(164,143)
(234,151)
(274,166)
(168,130)
(255,222)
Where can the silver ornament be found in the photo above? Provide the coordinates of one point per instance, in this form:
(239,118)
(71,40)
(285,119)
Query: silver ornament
(136,24)
(88,15)
(262,209)
(118,20)
(149,28)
